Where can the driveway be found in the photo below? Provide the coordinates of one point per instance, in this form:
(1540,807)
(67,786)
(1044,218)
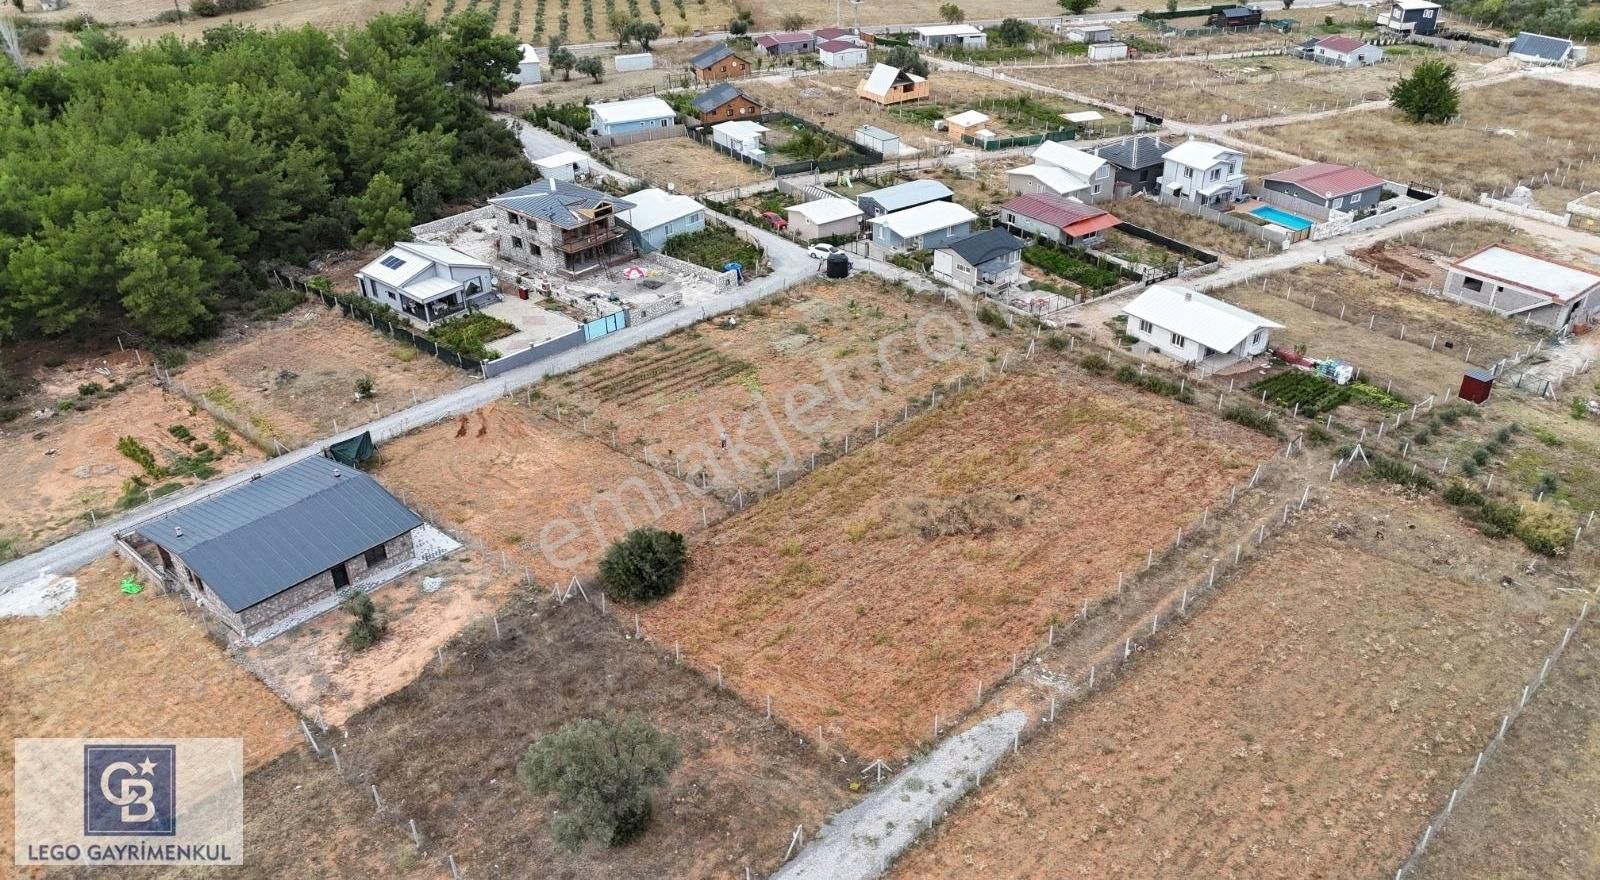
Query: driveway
(538,143)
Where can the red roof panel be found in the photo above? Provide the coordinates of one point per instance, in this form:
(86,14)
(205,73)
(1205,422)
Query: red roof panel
(1328,180)
(1344,45)
(1058,211)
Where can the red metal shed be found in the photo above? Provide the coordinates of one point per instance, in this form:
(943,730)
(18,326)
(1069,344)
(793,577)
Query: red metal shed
(1476,383)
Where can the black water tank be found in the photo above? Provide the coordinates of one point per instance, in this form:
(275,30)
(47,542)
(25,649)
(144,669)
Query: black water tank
(838,265)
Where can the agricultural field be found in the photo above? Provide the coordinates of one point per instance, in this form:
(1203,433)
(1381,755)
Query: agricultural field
(1230,90)
(1414,370)
(117,665)
(1534,811)
(786,381)
(1306,722)
(829,100)
(1191,229)
(444,750)
(871,595)
(1509,131)
(693,168)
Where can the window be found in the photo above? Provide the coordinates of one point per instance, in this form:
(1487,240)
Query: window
(391,293)
(1338,202)
(516,242)
(341,576)
(1256,339)
(1146,326)
(1178,340)
(376,555)
(1473,284)
(393,262)
(512,219)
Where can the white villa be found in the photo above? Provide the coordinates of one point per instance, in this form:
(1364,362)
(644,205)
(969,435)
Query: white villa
(1203,173)
(426,282)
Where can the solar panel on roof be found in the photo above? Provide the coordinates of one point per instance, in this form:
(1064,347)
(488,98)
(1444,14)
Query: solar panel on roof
(393,262)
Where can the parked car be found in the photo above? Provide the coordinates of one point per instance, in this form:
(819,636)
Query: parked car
(820,251)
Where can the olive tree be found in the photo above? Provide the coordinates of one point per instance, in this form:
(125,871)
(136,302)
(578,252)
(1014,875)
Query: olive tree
(601,772)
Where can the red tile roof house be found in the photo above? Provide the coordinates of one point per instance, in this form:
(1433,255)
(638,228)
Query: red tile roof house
(1057,219)
(1343,52)
(1336,187)
(792,43)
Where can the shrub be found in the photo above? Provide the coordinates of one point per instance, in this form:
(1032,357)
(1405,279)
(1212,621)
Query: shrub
(1546,486)
(1096,364)
(1578,410)
(34,40)
(602,773)
(1066,265)
(991,315)
(1316,435)
(274,303)
(1546,437)
(141,455)
(1058,342)
(470,334)
(1375,396)
(1469,467)
(1393,470)
(205,8)
(1544,530)
(646,564)
(181,432)
(368,626)
(364,387)
(1312,393)
(1461,495)
(89,389)
(1259,421)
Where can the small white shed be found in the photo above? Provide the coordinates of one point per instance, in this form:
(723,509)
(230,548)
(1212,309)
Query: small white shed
(528,68)
(742,137)
(565,165)
(636,61)
(1107,51)
(875,138)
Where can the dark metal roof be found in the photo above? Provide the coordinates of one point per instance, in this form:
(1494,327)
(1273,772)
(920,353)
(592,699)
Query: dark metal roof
(1239,12)
(711,56)
(1539,46)
(716,96)
(1132,154)
(558,202)
(982,247)
(258,539)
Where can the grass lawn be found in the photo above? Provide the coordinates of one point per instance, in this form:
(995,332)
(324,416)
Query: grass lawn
(714,247)
(470,334)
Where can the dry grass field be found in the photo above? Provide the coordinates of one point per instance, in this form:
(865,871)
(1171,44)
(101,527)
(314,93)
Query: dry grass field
(1414,370)
(830,101)
(878,590)
(1231,89)
(115,665)
(805,367)
(1190,229)
(1510,131)
(1305,723)
(693,168)
(1534,813)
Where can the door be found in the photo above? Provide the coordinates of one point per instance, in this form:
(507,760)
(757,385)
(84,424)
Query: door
(341,576)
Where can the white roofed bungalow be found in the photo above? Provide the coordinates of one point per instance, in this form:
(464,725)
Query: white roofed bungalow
(1195,329)
(425,282)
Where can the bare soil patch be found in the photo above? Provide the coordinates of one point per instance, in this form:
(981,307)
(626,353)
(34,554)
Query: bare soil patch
(115,665)
(293,377)
(1509,131)
(1306,723)
(547,497)
(1534,812)
(799,369)
(689,166)
(879,589)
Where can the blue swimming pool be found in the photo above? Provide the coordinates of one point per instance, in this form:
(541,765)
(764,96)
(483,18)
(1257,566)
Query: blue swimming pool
(1282,218)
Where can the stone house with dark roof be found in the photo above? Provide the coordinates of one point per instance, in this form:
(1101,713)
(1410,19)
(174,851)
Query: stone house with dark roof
(257,552)
(561,227)
(718,63)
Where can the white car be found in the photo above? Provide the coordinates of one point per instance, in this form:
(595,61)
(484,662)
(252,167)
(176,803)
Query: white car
(821,251)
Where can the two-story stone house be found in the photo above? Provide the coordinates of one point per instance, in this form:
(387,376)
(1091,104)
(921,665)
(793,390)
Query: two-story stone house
(561,227)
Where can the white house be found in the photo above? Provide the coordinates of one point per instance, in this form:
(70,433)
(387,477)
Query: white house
(1518,285)
(927,226)
(825,218)
(1096,173)
(528,68)
(988,260)
(964,36)
(1198,330)
(741,137)
(1203,173)
(1343,52)
(626,117)
(1041,178)
(658,215)
(565,165)
(425,282)
(841,54)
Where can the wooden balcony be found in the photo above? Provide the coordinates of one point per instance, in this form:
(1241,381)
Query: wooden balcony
(572,244)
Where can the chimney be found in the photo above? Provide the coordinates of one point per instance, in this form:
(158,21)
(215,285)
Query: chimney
(1188,295)
(552,184)
(178,530)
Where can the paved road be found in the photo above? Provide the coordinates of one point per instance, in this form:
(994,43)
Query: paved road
(538,143)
